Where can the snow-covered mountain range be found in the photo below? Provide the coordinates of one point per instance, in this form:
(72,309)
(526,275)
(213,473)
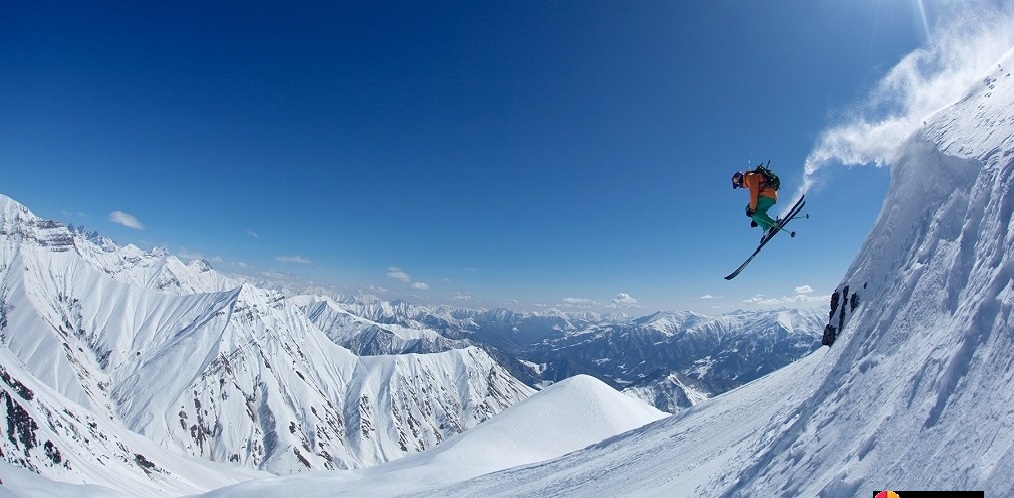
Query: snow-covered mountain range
(711,354)
(215,369)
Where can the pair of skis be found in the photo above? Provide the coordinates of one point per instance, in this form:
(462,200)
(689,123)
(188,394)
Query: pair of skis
(779,226)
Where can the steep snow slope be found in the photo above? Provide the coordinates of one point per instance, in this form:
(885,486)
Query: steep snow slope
(918,390)
(929,357)
(53,436)
(565,417)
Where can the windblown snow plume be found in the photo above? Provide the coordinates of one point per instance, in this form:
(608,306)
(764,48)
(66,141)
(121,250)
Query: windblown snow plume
(961,48)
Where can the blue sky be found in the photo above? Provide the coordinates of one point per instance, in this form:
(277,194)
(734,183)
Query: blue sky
(528,154)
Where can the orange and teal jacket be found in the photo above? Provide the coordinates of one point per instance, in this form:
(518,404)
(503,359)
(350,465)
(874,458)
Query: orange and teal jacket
(755,182)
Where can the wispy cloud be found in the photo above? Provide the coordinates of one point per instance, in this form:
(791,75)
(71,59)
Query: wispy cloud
(971,37)
(371,289)
(461,296)
(125,219)
(761,300)
(623,300)
(579,302)
(188,254)
(253,234)
(402,276)
(293,259)
(804,289)
(398,274)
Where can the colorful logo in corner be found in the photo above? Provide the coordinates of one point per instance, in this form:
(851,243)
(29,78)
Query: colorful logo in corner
(887,494)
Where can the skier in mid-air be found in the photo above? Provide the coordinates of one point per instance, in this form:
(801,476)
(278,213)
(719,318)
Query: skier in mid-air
(763,195)
(763,186)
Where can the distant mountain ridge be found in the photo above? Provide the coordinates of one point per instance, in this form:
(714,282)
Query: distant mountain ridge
(712,354)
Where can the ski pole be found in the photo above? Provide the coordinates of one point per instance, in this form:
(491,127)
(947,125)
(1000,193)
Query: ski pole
(780,224)
(786,230)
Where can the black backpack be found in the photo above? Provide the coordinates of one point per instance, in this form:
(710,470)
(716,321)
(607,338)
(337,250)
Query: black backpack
(770,178)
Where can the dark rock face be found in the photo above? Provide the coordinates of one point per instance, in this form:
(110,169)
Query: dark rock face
(843,304)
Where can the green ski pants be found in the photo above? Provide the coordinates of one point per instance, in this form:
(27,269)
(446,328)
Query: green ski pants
(760,215)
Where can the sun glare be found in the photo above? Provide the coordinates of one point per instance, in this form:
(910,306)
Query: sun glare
(922,17)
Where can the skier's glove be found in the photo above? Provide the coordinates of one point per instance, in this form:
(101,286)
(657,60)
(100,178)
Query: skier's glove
(749,212)
(753,224)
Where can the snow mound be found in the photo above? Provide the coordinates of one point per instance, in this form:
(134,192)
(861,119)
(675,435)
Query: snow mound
(672,457)
(564,417)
